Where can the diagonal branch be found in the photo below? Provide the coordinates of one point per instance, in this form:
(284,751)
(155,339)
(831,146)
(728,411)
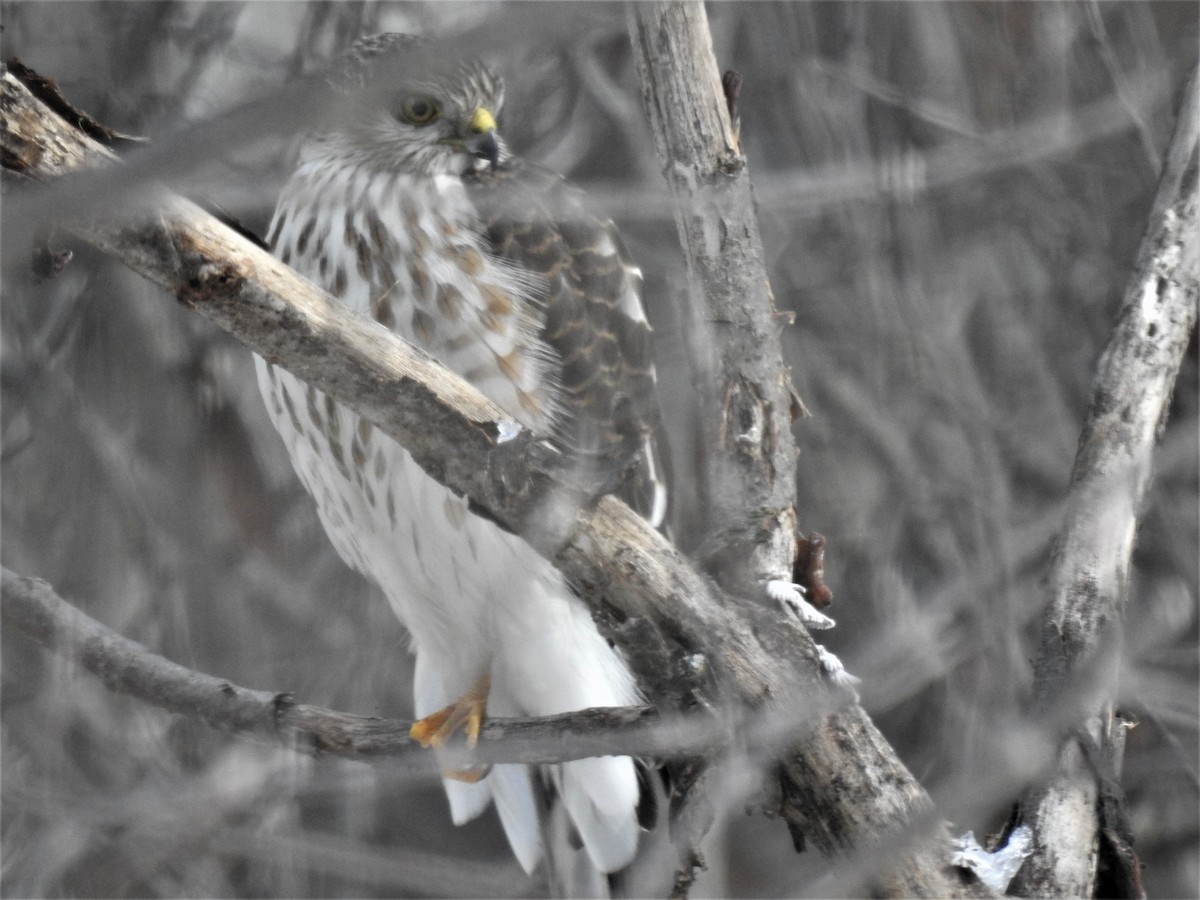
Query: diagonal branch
(844,784)
(1089,580)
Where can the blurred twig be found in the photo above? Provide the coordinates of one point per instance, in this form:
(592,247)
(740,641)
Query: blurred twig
(811,191)
(1121,84)
(420,874)
(1089,581)
(922,108)
(304,103)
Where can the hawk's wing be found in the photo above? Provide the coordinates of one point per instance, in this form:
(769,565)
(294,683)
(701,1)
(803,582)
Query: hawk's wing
(594,320)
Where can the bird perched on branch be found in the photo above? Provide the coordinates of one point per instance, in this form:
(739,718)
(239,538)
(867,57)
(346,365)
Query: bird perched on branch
(411,210)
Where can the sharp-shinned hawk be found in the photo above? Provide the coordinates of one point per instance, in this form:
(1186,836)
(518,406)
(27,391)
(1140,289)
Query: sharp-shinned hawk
(412,211)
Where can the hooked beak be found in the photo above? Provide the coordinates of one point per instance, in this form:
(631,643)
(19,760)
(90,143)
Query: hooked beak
(482,143)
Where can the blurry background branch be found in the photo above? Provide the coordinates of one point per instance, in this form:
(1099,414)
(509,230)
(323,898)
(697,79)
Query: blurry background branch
(1078,816)
(842,784)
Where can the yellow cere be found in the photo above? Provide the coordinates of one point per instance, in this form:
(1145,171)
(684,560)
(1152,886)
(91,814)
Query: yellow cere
(482,121)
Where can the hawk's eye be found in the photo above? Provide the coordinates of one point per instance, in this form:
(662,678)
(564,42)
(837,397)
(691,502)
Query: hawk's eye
(420,110)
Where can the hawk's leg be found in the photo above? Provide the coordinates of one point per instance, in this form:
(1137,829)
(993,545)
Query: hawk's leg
(466,713)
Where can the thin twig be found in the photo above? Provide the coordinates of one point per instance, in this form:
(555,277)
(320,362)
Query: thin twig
(1108,56)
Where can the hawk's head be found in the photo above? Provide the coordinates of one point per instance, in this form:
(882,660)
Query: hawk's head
(440,124)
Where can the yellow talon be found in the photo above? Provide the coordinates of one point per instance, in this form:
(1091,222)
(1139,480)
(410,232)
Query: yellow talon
(466,713)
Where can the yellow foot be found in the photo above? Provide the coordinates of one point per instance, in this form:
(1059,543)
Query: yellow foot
(466,713)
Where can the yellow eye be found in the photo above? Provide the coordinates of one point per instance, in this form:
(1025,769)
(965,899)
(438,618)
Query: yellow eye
(421,110)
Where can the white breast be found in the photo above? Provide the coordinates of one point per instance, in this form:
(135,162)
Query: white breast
(408,252)
(475,599)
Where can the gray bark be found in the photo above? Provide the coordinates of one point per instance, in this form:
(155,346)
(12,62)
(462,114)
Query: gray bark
(745,448)
(1077,668)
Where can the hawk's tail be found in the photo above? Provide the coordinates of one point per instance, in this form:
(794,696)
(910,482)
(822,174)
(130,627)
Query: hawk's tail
(600,796)
(592,831)
(512,789)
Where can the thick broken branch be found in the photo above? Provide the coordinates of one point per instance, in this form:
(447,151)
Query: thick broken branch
(745,440)
(846,784)
(1089,581)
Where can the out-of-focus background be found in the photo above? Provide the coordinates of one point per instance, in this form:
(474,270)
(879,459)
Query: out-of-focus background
(951,196)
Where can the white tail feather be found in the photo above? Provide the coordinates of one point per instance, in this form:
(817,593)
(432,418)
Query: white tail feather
(601,796)
(467,801)
(572,874)
(512,789)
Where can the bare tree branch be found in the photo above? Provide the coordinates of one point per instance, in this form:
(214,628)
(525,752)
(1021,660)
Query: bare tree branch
(1089,581)
(843,784)
(127,667)
(743,441)
(746,444)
